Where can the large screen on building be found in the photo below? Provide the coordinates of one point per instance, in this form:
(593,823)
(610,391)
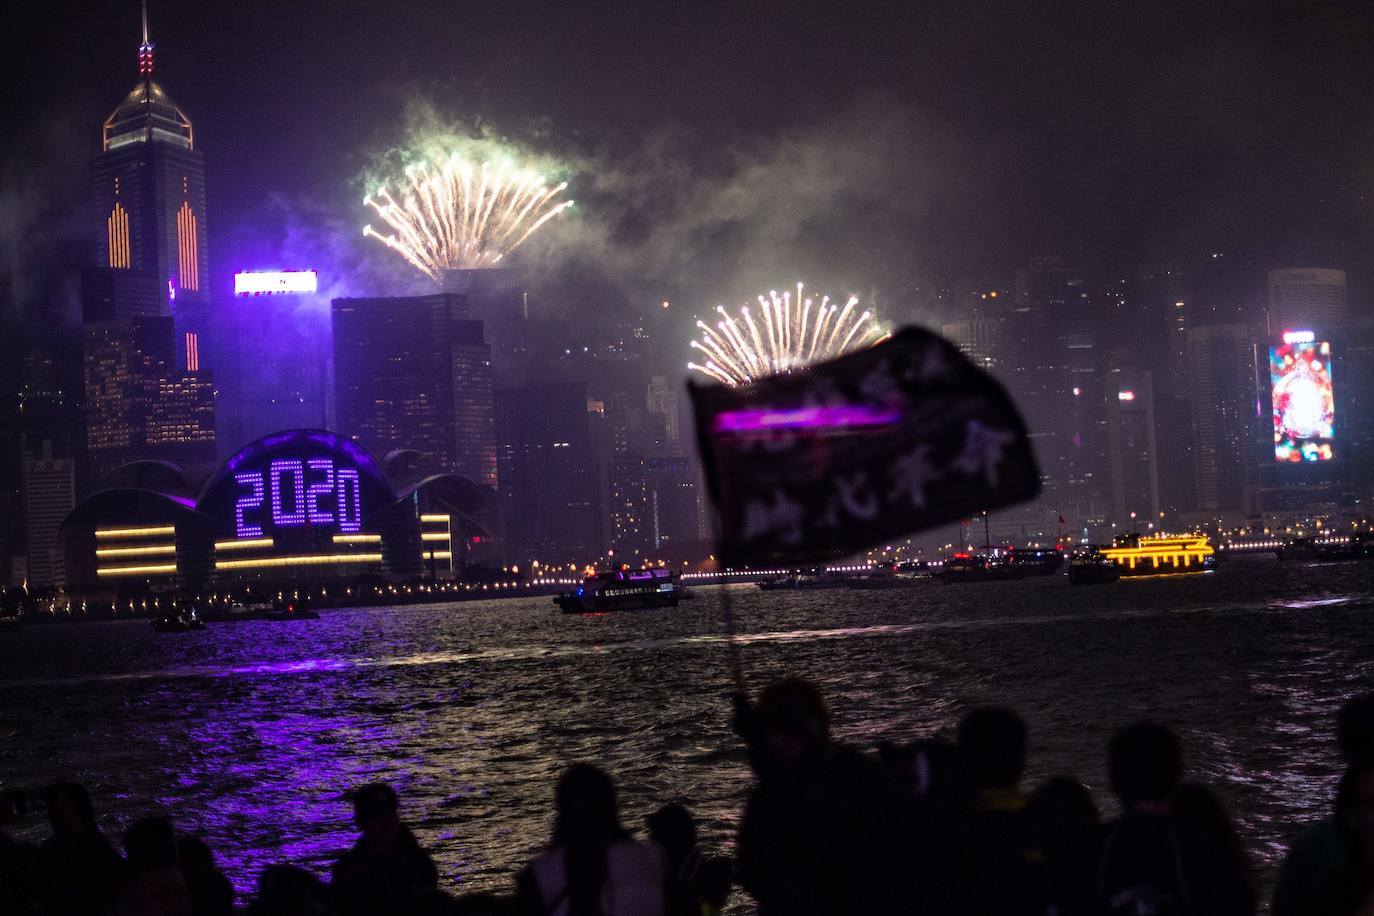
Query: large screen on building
(1303,398)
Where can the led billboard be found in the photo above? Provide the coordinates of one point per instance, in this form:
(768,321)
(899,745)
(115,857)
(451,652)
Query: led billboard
(1303,398)
(273,282)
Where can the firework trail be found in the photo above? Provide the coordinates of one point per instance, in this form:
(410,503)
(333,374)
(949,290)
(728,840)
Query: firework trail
(455,213)
(792,333)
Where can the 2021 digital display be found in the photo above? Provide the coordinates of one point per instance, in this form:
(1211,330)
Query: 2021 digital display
(295,492)
(1303,399)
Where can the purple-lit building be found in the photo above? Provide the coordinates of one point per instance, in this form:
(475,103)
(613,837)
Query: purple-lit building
(300,507)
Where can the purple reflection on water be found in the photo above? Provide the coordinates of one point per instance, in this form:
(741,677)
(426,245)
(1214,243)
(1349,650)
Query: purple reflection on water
(846,415)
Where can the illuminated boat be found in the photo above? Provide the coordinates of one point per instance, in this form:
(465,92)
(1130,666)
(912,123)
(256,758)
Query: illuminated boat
(819,578)
(1331,549)
(621,590)
(1166,554)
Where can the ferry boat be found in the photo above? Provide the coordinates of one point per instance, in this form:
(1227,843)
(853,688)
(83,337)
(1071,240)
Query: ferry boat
(818,578)
(994,564)
(1087,566)
(1165,554)
(1330,549)
(621,590)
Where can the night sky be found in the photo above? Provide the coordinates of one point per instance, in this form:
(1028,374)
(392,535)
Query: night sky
(717,146)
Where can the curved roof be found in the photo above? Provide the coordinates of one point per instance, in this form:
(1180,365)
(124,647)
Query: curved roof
(127,504)
(160,476)
(454,489)
(320,439)
(147,114)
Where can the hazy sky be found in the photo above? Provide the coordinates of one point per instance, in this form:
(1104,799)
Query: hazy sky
(717,146)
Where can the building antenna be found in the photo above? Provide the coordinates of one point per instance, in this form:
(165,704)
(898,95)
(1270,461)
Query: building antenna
(145,50)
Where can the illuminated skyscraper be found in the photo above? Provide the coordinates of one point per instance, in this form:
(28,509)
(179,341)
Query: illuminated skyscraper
(138,404)
(49,494)
(150,190)
(414,372)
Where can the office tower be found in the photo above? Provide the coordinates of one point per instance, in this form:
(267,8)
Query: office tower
(545,467)
(1053,370)
(273,359)
(976,338)
(138,404)
(474,405)
(1132,448)
(663,399)
(497,297)
(1310,298)
(394,373)
(1226,409)
(49,494)
(150,190)
(113,294)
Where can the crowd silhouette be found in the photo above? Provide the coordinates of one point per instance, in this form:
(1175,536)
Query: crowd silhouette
(926,828)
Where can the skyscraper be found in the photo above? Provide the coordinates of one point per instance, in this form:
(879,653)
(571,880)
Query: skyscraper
(1311,298)
(138,404)
(1226,437)
(414,372)
(1132,448)
(49,494)
(545,466)
(150,190)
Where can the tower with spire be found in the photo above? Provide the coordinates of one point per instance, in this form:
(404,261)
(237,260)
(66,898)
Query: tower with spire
(150,190)
(145,358)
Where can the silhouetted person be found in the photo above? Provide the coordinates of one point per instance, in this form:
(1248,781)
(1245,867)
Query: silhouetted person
(593,867)
(1061,825)
(82,867)
(285,890)
(1319,852)
(153,884)
(824,829)
(211,893)
(696,884)
(386,871)
(1147,861)
(21,876)
(994,843)
(1349,891)
(1201,806)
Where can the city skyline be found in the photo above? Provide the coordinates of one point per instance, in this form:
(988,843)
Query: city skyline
(1143,384)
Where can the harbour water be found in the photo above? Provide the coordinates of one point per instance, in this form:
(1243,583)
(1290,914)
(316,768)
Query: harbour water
(249,733)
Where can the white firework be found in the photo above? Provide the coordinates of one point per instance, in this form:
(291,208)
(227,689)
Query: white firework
(791,333)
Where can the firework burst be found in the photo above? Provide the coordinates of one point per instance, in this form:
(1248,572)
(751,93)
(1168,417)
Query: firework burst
(455,213)
(792,332)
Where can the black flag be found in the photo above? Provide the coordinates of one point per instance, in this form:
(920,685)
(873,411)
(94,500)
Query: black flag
(886,441)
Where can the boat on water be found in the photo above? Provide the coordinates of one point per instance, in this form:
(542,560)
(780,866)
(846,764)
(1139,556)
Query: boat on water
(818,578)
(1332,549)
(993,564)
(890,577)
(261,610)
(1087,566)
(622,590)
(1161,555)
(181,621)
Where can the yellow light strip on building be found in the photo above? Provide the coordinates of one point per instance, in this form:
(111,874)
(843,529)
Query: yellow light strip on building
(434,518)
(438,555)
(357,539)
(245,544)
(309,560)
(136,551)
(434,536)
(135,532)
(160,569)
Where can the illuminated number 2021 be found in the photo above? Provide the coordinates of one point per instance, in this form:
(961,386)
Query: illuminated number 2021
(298,492)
